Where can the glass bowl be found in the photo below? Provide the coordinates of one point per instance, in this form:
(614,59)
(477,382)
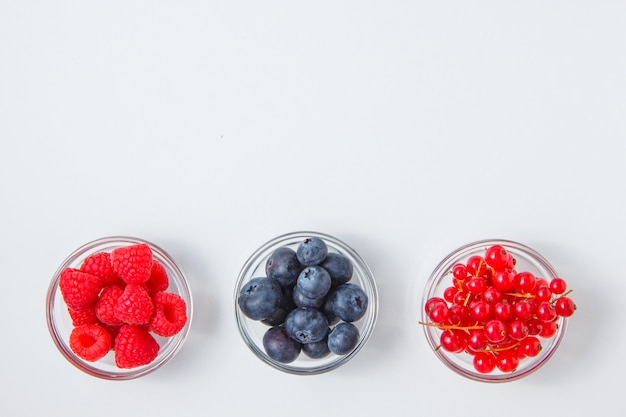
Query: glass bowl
(527,260)
(252,331)
(60,323)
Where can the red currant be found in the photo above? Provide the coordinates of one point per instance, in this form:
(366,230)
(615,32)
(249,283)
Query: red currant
(503,311)
(507,360)
(439,313)
(558,286)
(459,271)
(517,329)
(477,340)
(495,331)
(453,340)
(458,315)
(503,281)
(534,326)
(492,295)
(548,329)
(545,312)
(484,362)
(480,311)
(476,265)
(497,257)
(543,293)
(449,293)
(523,309)
(524,282)
(432,303)
(476,285)
(531,346)
(564,307)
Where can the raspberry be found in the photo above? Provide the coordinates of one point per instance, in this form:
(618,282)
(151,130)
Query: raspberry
(134,306)
(90,342)
(158,280)
(99,264)
(134,346)
(79,289)
(84,316)
(133,263)
(105,305)
(170,314)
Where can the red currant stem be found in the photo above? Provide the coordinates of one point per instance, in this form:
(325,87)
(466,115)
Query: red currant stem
(451,326)
(467,297)
(492,349)
(516,294)
(565,294)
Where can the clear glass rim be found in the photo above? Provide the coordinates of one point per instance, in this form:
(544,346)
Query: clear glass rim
(360,267)
(175,343)
(441,271)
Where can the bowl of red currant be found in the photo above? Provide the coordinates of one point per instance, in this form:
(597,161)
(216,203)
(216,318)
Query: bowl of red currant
(119,308)
(305,303)
(495,310)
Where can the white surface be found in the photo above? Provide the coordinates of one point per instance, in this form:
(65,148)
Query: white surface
(404,128)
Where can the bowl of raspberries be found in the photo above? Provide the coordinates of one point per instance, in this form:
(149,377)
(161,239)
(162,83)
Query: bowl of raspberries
(305,303)
(119,308)
(495,310)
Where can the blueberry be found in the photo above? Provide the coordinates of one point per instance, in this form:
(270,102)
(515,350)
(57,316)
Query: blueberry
(316,350)
(279,346)
(283,266)
(327,308)
(313,282)
(302,300)
(343,338)
(306,325)
(349,302)
(285,306)
(311,251)
(339,268)
(259,298)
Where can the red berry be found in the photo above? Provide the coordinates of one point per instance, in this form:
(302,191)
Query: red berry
(134,305)
(484,362)
(134,347)
(545,312)
(503,280)
(543,293)
(480,311)
(170,314)
(476,265)
(558,286)
(99,264)
(458,315)
(449,293)
(476,285)
(492,295)
(477,340)
(439,313)
(524,282)
(454,341)
(548,329)
(432,303)
(459,271)
(158,280)
(564,307)
(133,263)
(534,326)
(79,289)
(503,311)
(531,346)
(497,257)
(84,316)
(90,342)
(523,309)
(106,304)
(495,331)
(507,361)
(517,329)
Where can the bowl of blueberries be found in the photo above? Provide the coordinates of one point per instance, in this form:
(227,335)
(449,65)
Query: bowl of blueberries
(305,303)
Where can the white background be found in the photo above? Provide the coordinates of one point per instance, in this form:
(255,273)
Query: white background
(404,128)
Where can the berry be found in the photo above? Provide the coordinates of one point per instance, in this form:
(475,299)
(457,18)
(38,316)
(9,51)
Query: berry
(283,266)
(312,251)
(349,302)
(530,346)
(306,325)
(90,342)
(301,300)
(343,338)
(316,350)
(484,362)
(133,263)
(79,289)
(545,312)
(259,298)
(279,346)
(134,305)
(106,303)
(495,331)
(507,361)
(134,347)
(517,329)
(503,280)
(476,266)
(524,282)
(99,264)
(158,280)
(459,271)
(85,316)
(564,307)
(496,257)
(453,340)
(558,286)
(170,314)
(313,282)
(339,268)
(285,305)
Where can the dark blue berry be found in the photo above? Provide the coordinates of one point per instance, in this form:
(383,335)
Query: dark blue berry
(313,282)
(306,325)
(343,338)
(339,268)
(283,266)
(302,300)
(279,346)
(311,251)
(327,308)
(316,350)
(349,302)
(285,306)
(259,298)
